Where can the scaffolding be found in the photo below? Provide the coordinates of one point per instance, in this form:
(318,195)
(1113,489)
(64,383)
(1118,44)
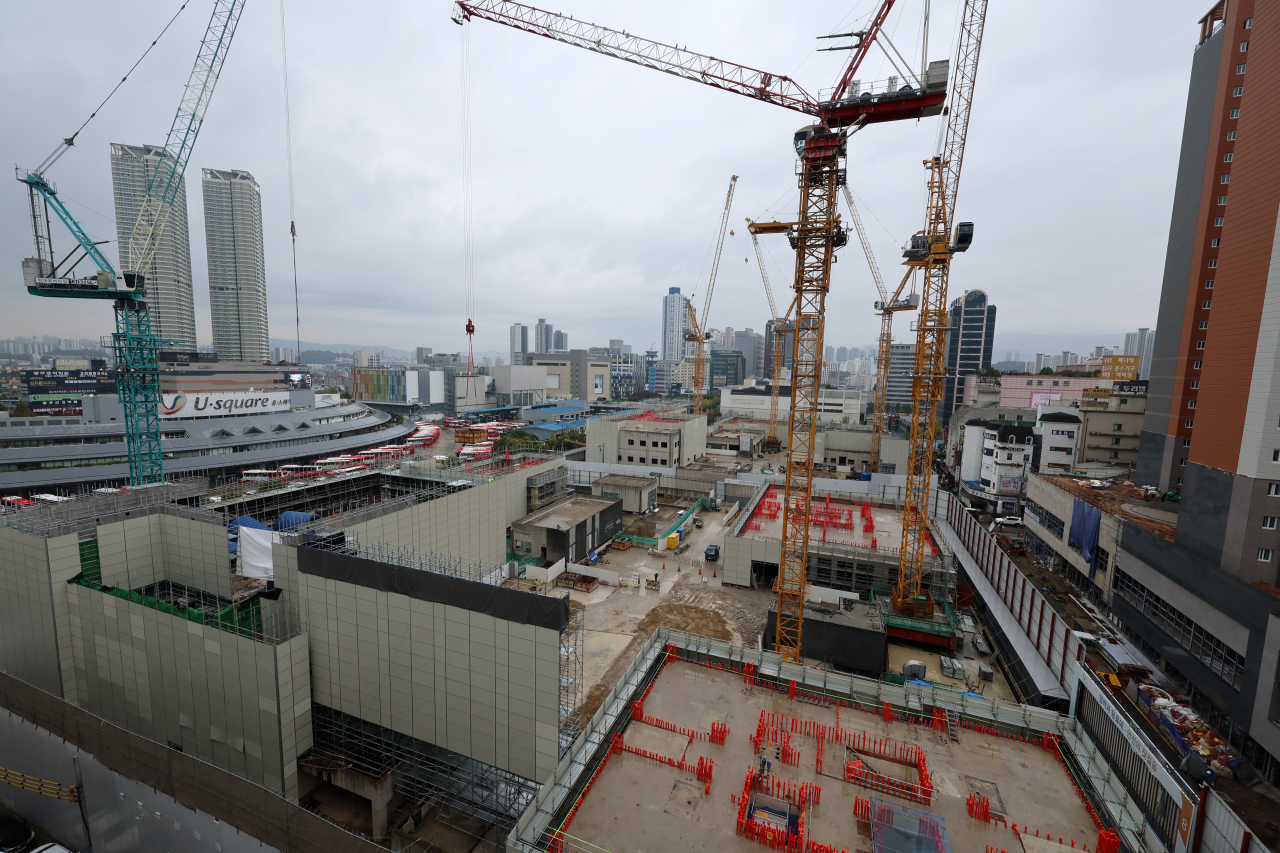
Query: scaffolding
(82,515)
(547,488)
(425,777)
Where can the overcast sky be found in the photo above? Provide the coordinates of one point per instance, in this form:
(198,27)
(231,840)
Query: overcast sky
(598,184)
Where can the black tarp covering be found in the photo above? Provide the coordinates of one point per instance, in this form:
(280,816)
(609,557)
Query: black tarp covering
(512,605)
(1086,521)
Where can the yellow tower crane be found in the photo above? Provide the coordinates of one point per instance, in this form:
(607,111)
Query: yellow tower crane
(930,252)
(886,308)
(697,334)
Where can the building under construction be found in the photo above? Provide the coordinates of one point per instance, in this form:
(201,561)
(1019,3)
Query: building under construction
(389,669)
(854,537)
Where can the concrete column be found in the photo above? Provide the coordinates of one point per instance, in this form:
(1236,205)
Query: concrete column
(376,790)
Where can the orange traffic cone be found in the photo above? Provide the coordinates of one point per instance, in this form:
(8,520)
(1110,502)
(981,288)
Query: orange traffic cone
(699,569)
(713,572)
(677,568)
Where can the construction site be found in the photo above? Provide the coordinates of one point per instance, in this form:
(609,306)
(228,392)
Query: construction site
(505,651)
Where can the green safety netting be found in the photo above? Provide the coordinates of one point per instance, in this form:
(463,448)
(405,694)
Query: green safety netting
(245,619)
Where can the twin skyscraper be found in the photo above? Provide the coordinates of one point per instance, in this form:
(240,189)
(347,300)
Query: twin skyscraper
(233,246)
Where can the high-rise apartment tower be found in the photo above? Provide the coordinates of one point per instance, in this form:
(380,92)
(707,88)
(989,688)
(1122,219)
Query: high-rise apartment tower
(237,268)
(675,319)
(168,288)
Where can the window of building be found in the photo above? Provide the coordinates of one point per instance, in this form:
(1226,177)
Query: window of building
(631,459)
(1213,263)
(1196,365)
(1195,383)
(1204,324)
(642,444)
(642,460)
(1235,113)
(1055,383)
(1209,284)
(1211,651)
(1231,136)
(1186,442)
(1215,242)
(1199,344)
(1179,481)
(1244,45)
(631,441)
(1237,92)
(1189,423)
(1240,68)
(1191,404)
(1114,454)
(1225,179)
(1275,456)
(1206,305)
(1222,199)
(1248,24)
(1050,522)
(1117,427)
(1273,490)
(1218,222)
(1183,462)
(664,444)
(1264,555)
(1115,440)
(1268,522)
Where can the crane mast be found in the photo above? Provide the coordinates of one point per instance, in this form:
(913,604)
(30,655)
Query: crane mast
(136,346)
(696,333)
(821,149)
(931,251)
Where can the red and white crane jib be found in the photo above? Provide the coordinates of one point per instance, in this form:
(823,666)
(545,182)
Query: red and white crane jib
(680,61)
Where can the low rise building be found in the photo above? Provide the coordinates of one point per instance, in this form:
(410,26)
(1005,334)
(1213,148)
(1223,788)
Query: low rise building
(1112,423)
(671,439)
(638,494)
(575,375)
(753,400)
(568,531)
(1030,391)
(520,385)
(1060,431)
(996,460)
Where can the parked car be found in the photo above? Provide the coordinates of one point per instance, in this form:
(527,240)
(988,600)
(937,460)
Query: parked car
(1010,520)
(697,522)
(713,553)
(14,837)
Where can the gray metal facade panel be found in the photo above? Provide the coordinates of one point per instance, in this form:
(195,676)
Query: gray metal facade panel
(1184,222)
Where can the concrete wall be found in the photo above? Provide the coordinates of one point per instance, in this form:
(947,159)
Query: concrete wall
(479,686)
(471,523)
(33,627)
(1062,504)
(242,705)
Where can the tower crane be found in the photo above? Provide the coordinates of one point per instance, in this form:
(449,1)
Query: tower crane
(821,149)
(779,325)
(886,308)
(697,333)
(136,347)
(930,251)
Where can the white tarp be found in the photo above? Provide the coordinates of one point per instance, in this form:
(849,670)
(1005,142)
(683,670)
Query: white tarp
(255,552)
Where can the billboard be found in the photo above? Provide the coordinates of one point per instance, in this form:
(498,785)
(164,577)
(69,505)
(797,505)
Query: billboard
(223,403)
(1119,367)
(57,392)
(1044,398)
(1135,387)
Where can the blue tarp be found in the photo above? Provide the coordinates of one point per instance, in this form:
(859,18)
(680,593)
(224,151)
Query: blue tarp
(233,528)
(1085,521)
(291,520)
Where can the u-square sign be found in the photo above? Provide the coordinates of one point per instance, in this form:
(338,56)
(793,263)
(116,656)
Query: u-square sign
(224,403)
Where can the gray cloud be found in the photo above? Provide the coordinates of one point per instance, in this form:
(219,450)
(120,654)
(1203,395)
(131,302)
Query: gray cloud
(597,183)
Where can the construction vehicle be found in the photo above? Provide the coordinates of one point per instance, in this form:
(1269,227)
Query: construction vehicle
(697,333)
(772,444)
(136,347)
(821,148)
(930,252)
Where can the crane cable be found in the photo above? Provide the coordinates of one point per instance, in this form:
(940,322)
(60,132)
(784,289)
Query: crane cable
(71,140)
(468,243)
(288,150)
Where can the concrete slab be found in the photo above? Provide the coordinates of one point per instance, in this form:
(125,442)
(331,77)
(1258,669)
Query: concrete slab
(640,805)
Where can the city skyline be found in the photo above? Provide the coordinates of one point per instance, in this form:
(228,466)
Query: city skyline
(672,201)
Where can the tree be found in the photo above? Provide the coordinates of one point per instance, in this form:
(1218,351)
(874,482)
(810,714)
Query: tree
(1046,371)
(21,410)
